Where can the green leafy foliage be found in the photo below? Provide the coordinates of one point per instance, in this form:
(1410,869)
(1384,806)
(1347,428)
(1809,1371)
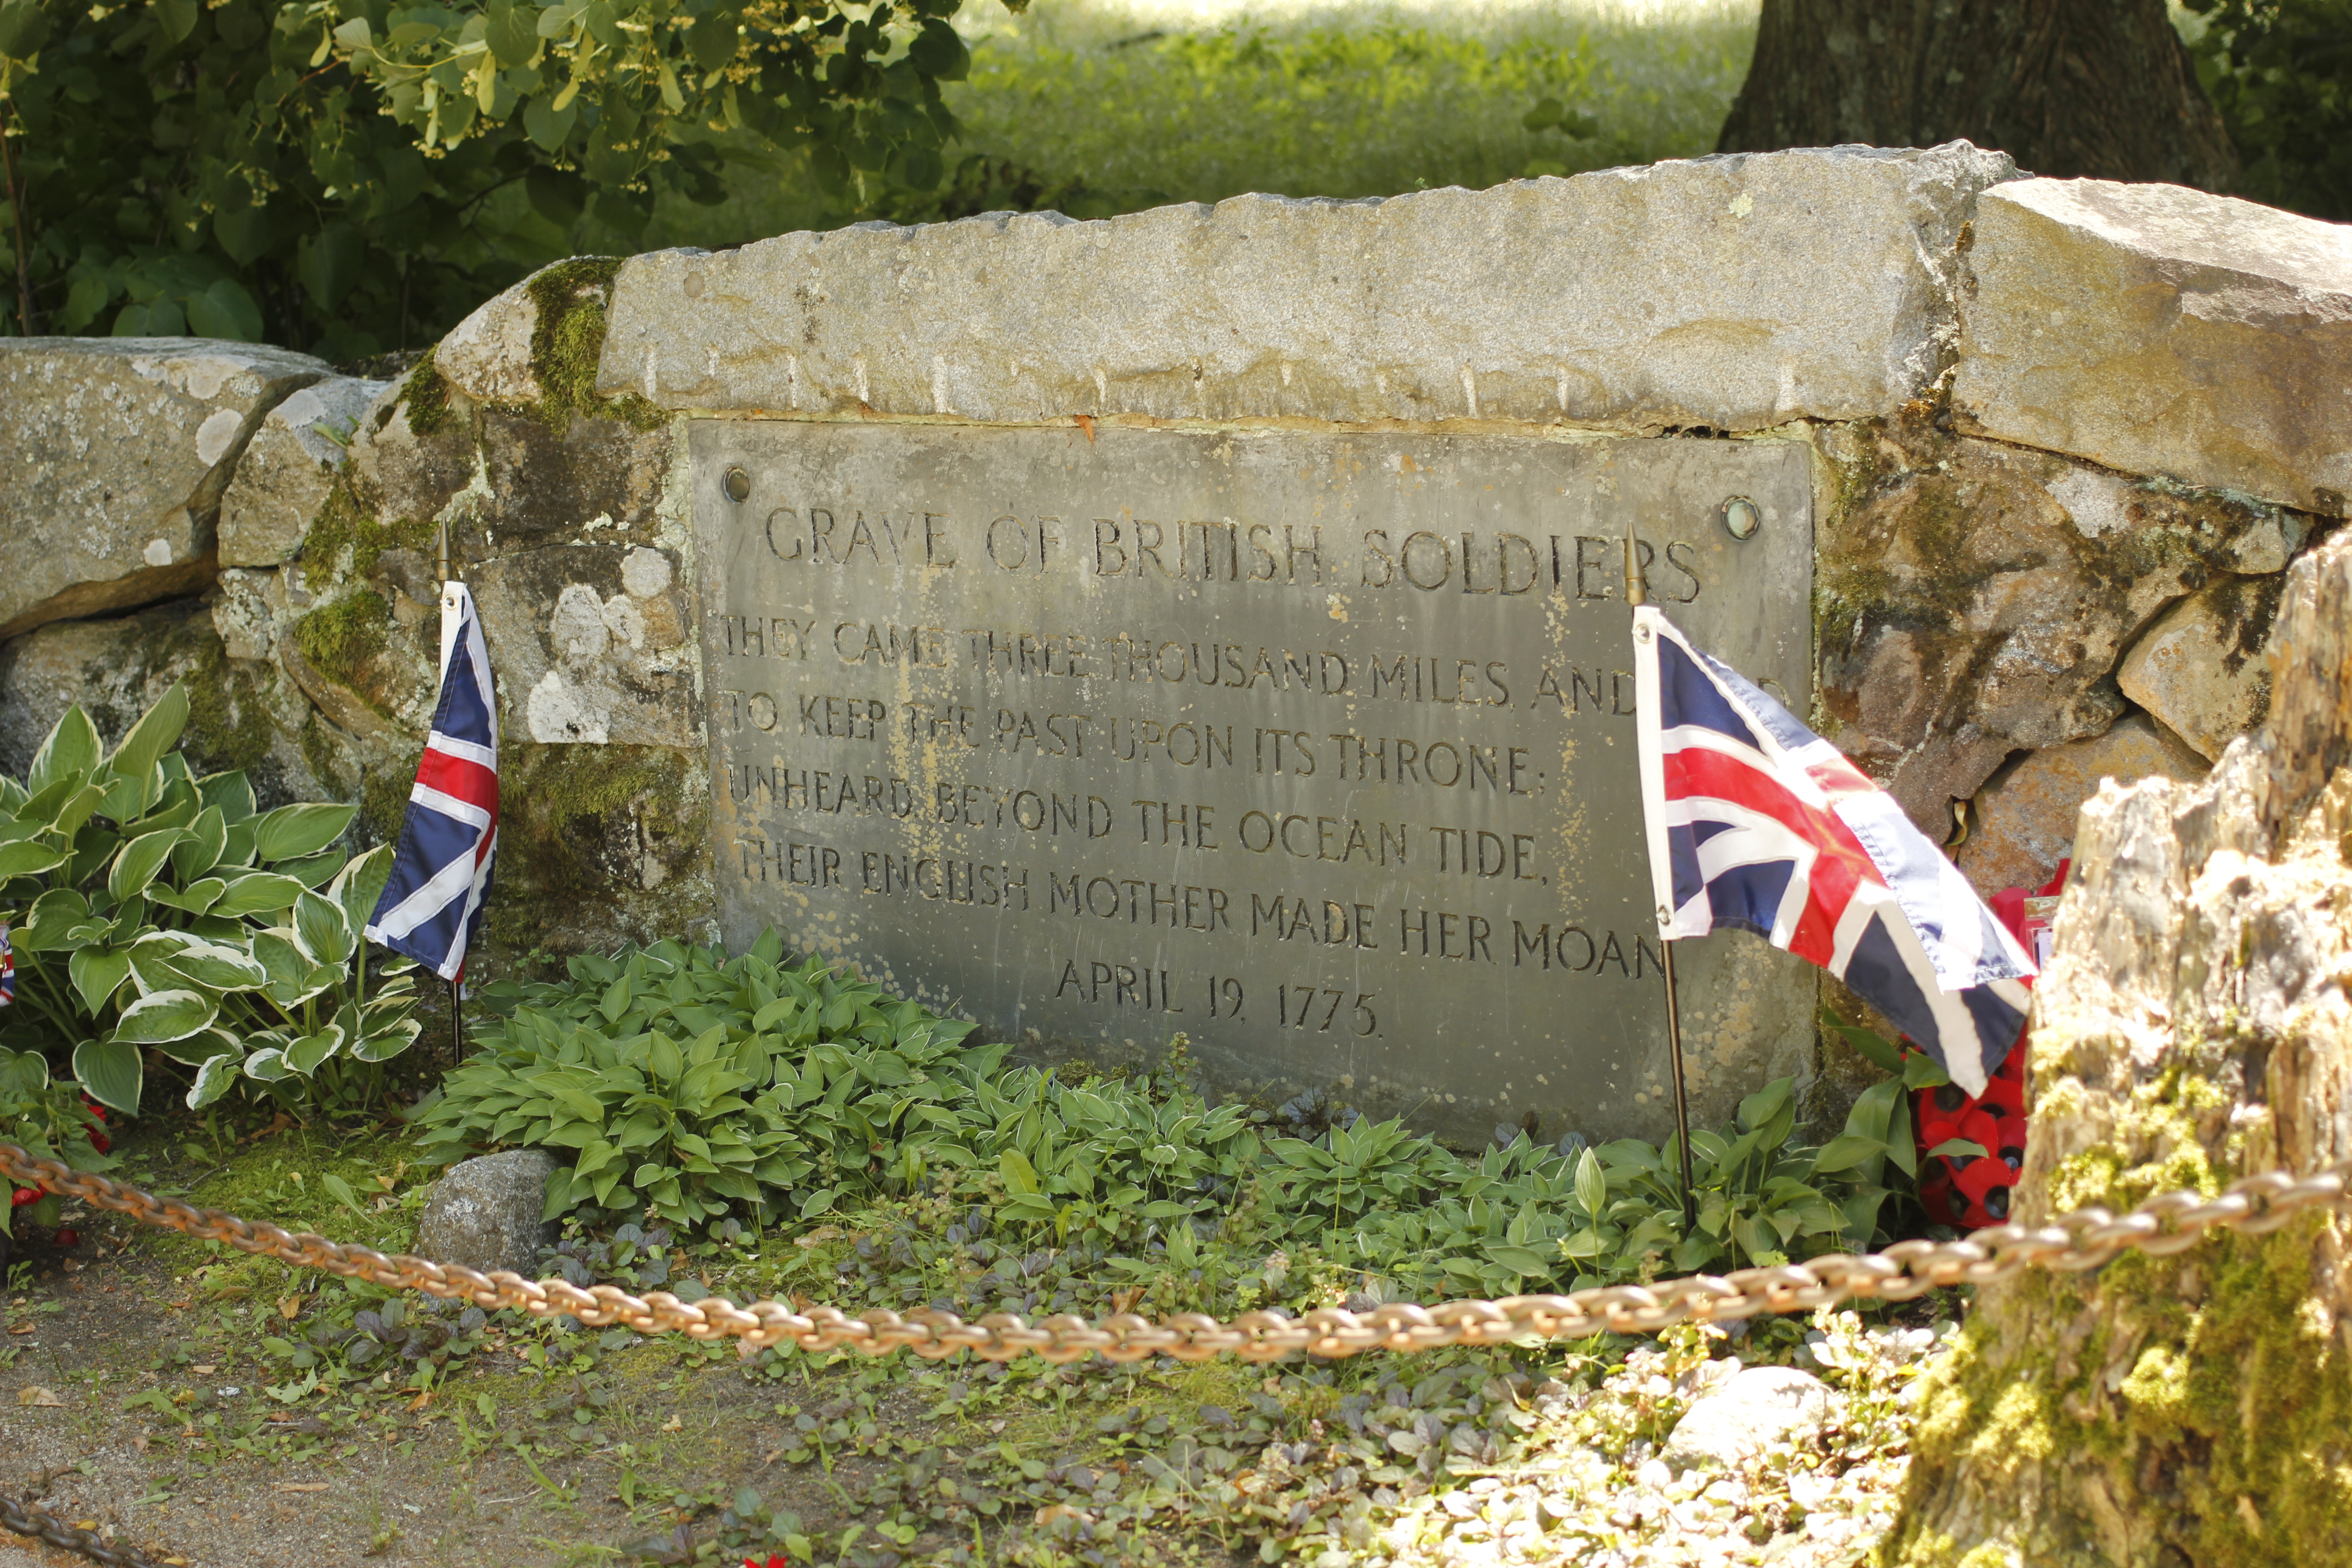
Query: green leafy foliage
(48,1117)
(2280,73)
(688,1081)
(692,1085)
(155,908)
(356,174)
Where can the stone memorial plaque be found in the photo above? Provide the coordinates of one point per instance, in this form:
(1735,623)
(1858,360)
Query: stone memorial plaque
(1316,748)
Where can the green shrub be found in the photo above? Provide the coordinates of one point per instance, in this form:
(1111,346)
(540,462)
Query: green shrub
(2280,73)
(159,910)
(692,1085)
(50,1119)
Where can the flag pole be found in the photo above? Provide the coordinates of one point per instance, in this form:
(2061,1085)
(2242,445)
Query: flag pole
(1637,593)
(457,992)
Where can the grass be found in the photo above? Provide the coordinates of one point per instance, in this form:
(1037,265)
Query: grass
(1142,102)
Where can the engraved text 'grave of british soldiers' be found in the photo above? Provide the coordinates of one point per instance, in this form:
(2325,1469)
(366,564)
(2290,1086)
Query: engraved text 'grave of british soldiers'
(1317,747)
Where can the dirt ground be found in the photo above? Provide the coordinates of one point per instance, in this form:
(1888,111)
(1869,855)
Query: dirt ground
(385,1483)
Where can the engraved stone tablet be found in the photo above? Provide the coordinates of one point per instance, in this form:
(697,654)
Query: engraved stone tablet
(1316,748)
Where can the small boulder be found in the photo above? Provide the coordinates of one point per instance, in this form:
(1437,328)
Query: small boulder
(484,1214)
(1752,1411)
(2204,669)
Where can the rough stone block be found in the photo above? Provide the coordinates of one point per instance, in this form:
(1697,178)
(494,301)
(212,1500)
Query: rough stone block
(1739,292)
(487,356)
(2204,669)
(287,467)
(2025,816)
(1748,1414)
(484,1214)
(590,644)
(240,714)
(1975,598)
(2163,330)
(116,452)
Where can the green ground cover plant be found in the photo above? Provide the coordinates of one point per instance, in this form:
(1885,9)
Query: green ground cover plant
(687,1086)
(1097,107)
(156,910)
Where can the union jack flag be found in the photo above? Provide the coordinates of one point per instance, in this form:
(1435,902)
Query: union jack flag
(8,969)
(1758,824)
(431,910)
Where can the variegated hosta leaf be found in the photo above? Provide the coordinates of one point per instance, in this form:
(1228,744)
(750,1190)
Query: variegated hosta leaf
(383,1042)
(216,1078)
(306,1054)
(269,1065)
(97,972)
(361,883)
(164,1016)
(304,828)
(321,929)
(199,849)
(218,965)
(258,893)
(197,898)
(204,1046)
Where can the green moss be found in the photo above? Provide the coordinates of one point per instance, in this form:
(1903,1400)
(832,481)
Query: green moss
(348,522)
(340,637)
(579,827)
(567,343)
(425,397)
(228,723)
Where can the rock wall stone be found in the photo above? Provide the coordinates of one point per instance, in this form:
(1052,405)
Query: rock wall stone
(117,451)
(1735,293)
(2193,1025)
(289,466)
(1974,598)
(2162,331)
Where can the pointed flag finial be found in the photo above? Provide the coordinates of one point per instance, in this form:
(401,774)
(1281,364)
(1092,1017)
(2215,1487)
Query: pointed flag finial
(1637,590)
(445,553)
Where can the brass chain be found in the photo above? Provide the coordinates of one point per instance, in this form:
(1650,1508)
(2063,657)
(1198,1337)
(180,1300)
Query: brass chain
(29,1518)
(2087,1238)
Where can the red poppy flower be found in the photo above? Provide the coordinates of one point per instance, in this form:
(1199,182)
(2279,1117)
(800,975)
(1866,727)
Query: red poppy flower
(26,1197)
(775,1560)
(68,1240)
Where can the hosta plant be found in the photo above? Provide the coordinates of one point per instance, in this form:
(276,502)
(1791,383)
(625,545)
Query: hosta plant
(52,1120)
(157,909)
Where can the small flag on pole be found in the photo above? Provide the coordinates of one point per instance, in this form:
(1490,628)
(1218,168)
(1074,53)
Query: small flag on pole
(431,910)
(1758,824)
(8,969)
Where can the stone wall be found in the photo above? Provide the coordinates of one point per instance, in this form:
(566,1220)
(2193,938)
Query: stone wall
(2067,437)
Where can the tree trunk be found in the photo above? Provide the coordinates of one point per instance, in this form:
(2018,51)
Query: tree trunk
(2098,89)
(2193,1027)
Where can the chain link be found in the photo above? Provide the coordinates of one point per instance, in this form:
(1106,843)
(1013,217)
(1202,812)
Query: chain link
(29,1518)
(2087,1238)
(2165,1224)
